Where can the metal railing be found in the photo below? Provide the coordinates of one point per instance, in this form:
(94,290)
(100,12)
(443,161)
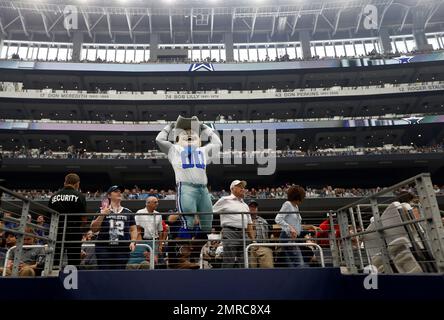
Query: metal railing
(283,245)
(28,207)
(402,238)
(8,253)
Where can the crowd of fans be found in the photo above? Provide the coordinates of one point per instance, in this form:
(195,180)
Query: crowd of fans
(279,192)
(73,152)
(222,248)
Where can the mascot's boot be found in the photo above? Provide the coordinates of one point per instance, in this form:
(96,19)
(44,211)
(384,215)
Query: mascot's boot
(184,258)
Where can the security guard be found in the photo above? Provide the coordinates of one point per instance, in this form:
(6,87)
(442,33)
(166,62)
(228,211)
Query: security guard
(69,200)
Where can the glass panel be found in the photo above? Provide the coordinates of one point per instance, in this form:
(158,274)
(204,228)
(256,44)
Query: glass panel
(262,54)
(312,50)
(215,54)
(253,54)
(101,54)
(272,53)
(13,50)
(299,51)
(139,55)
(42,53)
(130,55)
(378,47)
(349,50)
(280,53)
(83,53)
(339,50)
(147,54)
(330,50)
(434,42)
(91,55)
(236,54)
(401,46)
(120,55)
(291,53)
(369,47)
(223,54)
(243,54)
(190,52)
(410,44)
(205,54)
(4,48)
(34,53)
(62,54)
(70,54)
(30,52)
(52,54)
(360,49)
(111,54)
(196,55)
(22,52)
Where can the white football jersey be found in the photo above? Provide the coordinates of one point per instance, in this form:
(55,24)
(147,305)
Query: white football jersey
(188,166)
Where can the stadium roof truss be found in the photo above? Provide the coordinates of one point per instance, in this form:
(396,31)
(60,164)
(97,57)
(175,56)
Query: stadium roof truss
(22,20)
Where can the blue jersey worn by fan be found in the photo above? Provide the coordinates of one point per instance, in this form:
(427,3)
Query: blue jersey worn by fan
(189,160)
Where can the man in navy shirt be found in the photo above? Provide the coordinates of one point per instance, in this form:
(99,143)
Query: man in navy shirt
(116,227)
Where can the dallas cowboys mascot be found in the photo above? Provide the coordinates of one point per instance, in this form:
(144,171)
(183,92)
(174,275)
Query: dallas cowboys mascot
(189,160)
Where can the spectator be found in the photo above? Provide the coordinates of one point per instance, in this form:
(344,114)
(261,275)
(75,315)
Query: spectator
(140,257)
(32,260)
(44,231)
(8,241)
(115,226)
(88,253)
(151,224)
(291,222)
(260,257)
(68,201)
(233,224)
(179,253)
(211,256)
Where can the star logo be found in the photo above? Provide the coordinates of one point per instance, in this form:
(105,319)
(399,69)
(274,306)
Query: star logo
(404,59)
(198,66)
(413,120)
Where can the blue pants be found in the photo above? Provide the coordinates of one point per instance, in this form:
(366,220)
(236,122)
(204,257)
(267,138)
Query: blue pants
(112,257)
(292,256)
(194,198)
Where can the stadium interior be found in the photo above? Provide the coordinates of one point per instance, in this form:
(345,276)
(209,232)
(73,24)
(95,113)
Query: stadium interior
(355,111)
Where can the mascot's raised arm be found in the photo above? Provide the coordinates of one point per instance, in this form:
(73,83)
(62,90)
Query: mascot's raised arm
(182,142)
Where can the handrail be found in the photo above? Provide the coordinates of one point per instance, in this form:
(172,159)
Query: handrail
(386,190)
(26,200)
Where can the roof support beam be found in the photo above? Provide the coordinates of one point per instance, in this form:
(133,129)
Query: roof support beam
(148,13)
(432,13)
(128,20)
(359,20)
(85,17)
(212,23)
(407,10)
(233,16)
(108,21)
(315,23)
(191,25)
(44,19)
(171,24)
(295,22)
(2,28)
(383,13)
(22,19)
(338,17)
(253,23)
